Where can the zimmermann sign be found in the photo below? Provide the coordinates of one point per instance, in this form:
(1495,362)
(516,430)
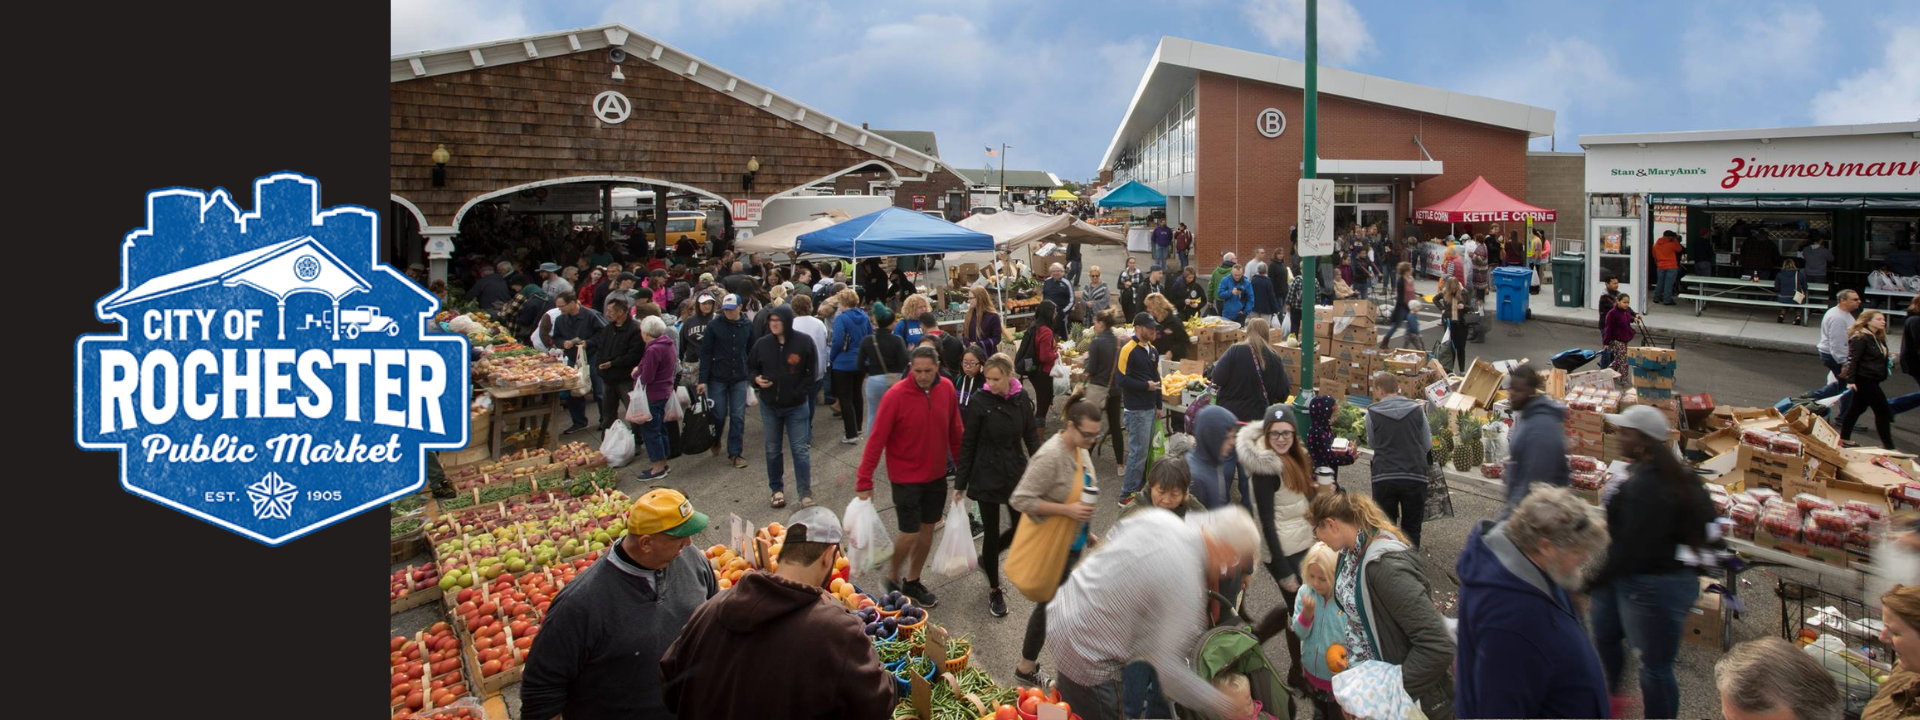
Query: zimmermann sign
(1886,163)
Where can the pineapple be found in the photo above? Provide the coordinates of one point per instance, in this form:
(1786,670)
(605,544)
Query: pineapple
(1442,427)
(1470,438)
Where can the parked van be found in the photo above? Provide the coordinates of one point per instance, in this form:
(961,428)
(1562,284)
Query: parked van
(687,224)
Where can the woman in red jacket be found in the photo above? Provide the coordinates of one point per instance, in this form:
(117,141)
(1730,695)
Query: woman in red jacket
(1617,333)
(1043,350)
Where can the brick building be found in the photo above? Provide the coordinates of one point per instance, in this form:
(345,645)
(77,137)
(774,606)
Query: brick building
(587,110)
(1558,180)
(944,190)
(1218,131)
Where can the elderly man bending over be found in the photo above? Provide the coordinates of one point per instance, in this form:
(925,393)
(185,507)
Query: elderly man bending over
(1095,622)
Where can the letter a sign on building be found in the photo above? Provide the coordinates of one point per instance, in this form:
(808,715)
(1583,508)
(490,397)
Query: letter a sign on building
(271,375)
(1316,217)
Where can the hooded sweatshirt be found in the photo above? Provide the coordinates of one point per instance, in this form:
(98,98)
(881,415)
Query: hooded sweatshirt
(772,647)
(1397,431)
(1396,609)
(1537,449)
(1211,428)
(1523,651)
(787,360)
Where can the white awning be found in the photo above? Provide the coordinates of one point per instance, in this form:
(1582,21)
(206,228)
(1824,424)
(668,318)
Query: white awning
(1392,168)
(783,238)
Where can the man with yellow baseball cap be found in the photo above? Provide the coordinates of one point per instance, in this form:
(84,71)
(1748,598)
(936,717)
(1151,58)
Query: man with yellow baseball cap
(598,653)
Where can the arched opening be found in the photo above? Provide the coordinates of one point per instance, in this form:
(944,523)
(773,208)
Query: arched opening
(587,222)
(403,244)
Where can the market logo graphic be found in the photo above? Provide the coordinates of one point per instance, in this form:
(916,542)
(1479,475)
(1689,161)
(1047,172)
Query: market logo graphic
(1753,168)
(270,376)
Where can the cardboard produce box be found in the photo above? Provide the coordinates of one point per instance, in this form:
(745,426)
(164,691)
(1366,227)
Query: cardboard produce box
(1349,350)
(1704,624)
(1355,308)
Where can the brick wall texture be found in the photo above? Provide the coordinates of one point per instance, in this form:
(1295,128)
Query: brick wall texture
(1247,183)
(532,121)
(1560,182)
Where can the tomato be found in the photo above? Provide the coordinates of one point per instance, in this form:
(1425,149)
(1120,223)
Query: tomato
(1004,712)
(1053,695)
(1030,705)
(1063,706)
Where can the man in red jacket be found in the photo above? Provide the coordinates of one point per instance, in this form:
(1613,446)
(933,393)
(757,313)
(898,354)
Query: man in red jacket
(918,427)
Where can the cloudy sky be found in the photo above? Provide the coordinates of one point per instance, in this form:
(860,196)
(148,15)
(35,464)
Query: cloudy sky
(1052,79)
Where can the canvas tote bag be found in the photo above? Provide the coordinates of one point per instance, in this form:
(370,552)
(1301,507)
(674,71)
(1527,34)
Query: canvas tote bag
(1039,552)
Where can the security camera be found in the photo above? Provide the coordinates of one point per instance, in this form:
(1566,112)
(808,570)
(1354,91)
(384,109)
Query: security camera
(617,55)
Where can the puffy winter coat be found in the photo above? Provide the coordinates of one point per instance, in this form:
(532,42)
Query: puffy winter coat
(1289,507)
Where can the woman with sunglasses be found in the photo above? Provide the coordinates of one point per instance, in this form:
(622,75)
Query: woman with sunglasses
(1047,488)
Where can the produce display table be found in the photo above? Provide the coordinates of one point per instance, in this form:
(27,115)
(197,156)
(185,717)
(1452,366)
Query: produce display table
(1741,291)
(523,409)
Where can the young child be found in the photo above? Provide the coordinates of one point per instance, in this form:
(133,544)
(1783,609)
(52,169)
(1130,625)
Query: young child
(1167,484)
(1320,624)
(1236,686)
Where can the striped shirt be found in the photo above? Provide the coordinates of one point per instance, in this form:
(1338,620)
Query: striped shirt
(1140,596)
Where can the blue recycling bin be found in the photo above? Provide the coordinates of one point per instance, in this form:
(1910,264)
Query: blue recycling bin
(1510,286)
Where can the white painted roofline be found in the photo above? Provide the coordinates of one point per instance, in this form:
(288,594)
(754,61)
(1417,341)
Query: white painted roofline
(641,48)
(1750,134)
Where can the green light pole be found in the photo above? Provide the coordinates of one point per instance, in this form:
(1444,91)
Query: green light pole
(1310,265)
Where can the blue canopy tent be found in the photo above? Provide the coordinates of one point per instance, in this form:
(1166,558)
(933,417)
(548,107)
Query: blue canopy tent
(890,232)
(1132,194)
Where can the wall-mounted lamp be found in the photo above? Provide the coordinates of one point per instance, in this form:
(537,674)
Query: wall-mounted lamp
(440,158)
(753,168)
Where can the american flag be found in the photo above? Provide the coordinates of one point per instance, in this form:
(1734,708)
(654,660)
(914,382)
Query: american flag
(992,152)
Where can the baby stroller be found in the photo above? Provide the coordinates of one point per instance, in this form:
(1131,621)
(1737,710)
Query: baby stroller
(1230,647)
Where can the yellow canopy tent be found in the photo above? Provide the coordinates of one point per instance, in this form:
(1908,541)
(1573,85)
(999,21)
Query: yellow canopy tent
(1062,194)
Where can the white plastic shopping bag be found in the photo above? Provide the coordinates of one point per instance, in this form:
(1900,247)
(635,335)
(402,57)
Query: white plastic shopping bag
(1373,690)
(954,554)
(1493,438)
(638,410)
(868,544)
(618,446)
(676,402)
(1062,379)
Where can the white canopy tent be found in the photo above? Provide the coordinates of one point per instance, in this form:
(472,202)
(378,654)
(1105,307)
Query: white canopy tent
(1013,231)
(781,240)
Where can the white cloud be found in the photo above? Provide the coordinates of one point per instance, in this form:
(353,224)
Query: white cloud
(662,18)
(1054,99)
(1571,76)
(1774,43)
(1889,92)
(417,25)
(1283,24)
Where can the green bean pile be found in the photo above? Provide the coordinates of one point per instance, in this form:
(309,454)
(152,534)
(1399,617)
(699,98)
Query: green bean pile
(891,650)
(945,705)
(403,527)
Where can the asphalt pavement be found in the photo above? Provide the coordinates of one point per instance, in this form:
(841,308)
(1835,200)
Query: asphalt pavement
(1732,376)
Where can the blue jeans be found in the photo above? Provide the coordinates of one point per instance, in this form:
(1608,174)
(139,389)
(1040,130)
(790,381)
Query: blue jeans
(1836,387)
(1230,470)
(872,389)
(1412,324)
(1139,427)
(730,408)
(1904,403)
(1140,692)
(1668,277)
(653,432)
(1647,612)
(797,424)
(1183,258)
(1705,267)
(1099,702)
(1160,255)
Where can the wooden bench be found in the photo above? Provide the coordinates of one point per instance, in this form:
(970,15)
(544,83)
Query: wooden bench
(1894,304)
(1737,291)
